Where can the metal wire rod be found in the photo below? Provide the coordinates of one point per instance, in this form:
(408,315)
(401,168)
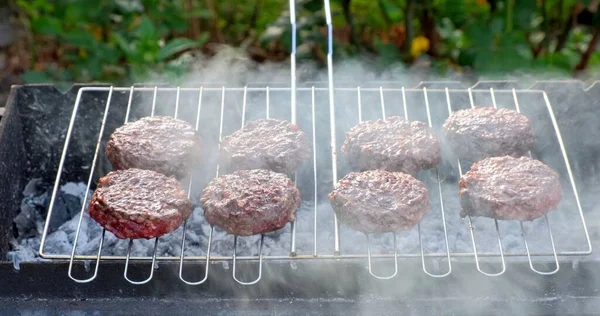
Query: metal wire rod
(85,198)
(126,276)
(395,260)
(189,190)
(207,263)
(556,264)
(260,261)
(336,245)
(471,227)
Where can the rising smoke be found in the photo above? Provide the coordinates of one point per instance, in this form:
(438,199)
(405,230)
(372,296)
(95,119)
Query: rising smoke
(232,69)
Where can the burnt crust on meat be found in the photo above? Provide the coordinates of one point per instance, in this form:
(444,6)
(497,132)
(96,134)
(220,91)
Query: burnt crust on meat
(249,202)
(136,203)
(509,188)
(474,134)
(160,143)
(377,201)
(270,144)
(393,144)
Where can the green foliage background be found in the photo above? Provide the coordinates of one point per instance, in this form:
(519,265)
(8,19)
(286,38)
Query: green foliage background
(125,41)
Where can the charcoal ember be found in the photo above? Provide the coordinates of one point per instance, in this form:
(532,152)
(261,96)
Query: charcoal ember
(26,221)
(66,206)
(58,243)
(379,201)
(509,188)
(393,144)
(482,132)
(29,221)
(270,144)
(250,202)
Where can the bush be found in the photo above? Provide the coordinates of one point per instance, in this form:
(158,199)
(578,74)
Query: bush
(124,41)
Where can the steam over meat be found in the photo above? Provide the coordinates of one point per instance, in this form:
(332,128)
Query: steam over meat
(160,143)
(250,202)
(393,144)
(137,203)
(379,201)
(483,132)
(265,144)
(509,188)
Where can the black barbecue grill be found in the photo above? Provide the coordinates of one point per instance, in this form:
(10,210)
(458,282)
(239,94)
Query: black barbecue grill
(314,270)
(539,267)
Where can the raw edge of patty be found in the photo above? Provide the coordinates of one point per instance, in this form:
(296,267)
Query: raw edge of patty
(136,203)
(270,144)
(250,202)
(393,144)
(160,143)
(379,201)
(509,188)
(474,134)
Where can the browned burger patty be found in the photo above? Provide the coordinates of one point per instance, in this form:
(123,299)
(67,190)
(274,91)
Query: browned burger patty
(393,144)
(474,134)
(250,202)
(509,188)
(265,144)
(379,201)
(160,143)
(137,203)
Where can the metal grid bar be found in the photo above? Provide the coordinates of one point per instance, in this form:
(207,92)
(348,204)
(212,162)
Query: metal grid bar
(331,91)
(471,227)
(182,255)
(557,264)
(314,255)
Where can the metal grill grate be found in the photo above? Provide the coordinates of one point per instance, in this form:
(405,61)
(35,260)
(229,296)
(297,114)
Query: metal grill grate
(430,105)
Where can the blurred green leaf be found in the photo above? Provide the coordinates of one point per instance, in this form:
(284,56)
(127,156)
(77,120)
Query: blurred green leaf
(146,29)
(286,40)
(392,10)
(200,13)
(123,43)
(479,35)
(178,45)
(312,5)
(47,25)
(75,12)
(524,12)
(496,26)
(79,38)
(32,76)
(467,57)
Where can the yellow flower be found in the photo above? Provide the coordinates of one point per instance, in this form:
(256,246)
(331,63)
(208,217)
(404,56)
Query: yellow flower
(419,45)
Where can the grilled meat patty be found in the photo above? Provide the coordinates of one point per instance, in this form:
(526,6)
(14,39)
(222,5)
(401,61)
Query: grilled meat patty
(270,144)
(509,188)
(482,132)
(393,144)
(136,203)
(379,201)
(160,143)
(250,202)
